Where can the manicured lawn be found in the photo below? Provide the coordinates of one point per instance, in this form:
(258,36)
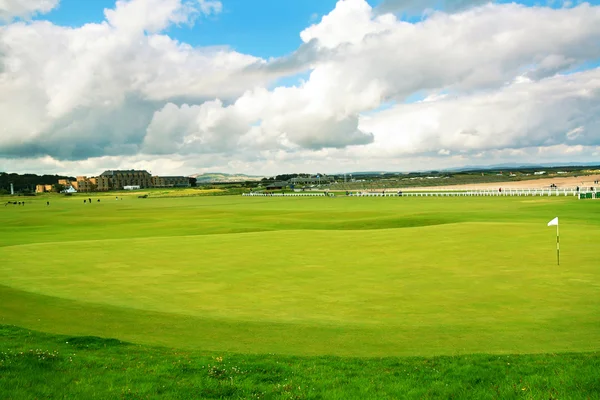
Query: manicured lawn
(307,276)
(304,298)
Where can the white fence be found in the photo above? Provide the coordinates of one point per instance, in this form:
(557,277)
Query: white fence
(285,194)
(474,193)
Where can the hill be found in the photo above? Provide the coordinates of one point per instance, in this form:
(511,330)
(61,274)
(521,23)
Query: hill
(218,177)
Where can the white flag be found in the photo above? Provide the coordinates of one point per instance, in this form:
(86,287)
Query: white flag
(553,222)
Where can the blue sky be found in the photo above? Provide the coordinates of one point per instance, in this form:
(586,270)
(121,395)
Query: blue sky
(264,28)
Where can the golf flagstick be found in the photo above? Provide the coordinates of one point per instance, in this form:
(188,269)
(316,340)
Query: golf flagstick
(551,223)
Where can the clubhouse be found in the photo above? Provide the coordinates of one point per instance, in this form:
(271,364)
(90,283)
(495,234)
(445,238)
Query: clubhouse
(118,180)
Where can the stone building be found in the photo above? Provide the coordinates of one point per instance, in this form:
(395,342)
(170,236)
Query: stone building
(117,179)
(85,184)
(170,181)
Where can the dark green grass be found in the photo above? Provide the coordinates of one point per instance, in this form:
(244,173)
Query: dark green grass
(35,365)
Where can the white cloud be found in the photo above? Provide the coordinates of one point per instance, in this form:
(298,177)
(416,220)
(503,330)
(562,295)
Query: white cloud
(122,90)
(575,133)
(72,92)
(323,111)
(10,9)
(209,7)
(520,115)
(479,48)
(137,16)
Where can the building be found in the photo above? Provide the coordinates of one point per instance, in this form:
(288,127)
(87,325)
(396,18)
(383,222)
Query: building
(170,181)
(43,188)
(312,180)
(85,184)
(118,179)
(277,186)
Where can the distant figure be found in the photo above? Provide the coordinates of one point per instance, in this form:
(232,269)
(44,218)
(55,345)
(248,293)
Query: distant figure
(90,201)
(47,203)
(117,198)
(23,203)
(84,201)
(98,200)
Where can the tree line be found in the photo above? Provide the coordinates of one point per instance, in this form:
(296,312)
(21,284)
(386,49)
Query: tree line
(26,183)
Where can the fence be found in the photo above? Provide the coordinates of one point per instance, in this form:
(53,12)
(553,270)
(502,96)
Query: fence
(474,193)
(285,194)
(589,195)
(468,193)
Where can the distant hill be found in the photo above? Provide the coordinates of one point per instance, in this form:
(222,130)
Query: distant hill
(214,177)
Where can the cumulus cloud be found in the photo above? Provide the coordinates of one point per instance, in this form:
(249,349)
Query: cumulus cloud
(496,77)
(10,9)
(138,16)
(79,92)
(550,112)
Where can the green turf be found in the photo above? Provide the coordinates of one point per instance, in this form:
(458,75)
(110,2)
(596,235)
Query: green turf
(307,276)
(41,366)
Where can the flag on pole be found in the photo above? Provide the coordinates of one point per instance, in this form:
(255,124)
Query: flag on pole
(554,222)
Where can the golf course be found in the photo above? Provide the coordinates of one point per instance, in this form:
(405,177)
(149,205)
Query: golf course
(300,279)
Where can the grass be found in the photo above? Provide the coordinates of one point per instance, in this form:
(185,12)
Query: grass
(374,276)
(37,365)
(307,280)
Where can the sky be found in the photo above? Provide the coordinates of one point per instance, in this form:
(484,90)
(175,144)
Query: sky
(264,87)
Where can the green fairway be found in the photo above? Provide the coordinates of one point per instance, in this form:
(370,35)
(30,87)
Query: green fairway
(307,276)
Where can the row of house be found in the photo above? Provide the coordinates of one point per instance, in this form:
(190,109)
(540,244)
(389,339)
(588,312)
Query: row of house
(119,180)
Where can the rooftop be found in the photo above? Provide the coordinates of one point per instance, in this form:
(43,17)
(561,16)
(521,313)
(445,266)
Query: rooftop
(122,171)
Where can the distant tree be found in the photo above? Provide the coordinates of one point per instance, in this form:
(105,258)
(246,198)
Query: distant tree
(285,177)
(28,181)
(193,181)
(58,187)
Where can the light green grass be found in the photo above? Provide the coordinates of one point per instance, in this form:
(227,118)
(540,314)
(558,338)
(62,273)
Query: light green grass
(307,276)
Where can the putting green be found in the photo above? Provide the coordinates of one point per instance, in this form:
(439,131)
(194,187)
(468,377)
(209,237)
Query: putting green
(309,276)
